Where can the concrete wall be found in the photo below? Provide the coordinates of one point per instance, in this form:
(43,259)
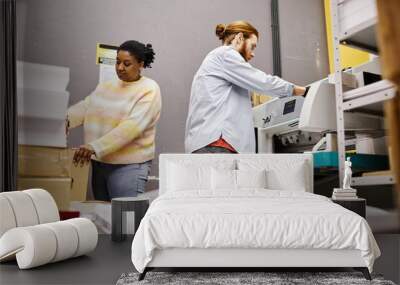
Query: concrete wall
(65,33)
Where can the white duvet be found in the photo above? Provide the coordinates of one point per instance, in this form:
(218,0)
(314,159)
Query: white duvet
(253,218)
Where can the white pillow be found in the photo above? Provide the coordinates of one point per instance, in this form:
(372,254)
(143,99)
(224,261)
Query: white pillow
(181,177)
(195,173)
(251,178)
(226,179)
(283,174)
(223,179)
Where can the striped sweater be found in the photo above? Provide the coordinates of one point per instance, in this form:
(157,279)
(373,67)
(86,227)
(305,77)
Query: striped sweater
(119,120)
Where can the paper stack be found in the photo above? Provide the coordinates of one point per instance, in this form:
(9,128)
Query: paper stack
(42,104)
(344,194)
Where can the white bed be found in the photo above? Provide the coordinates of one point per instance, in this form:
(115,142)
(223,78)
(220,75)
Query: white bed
(217,224)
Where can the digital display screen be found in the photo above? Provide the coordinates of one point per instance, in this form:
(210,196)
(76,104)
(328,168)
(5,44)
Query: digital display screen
(289,107)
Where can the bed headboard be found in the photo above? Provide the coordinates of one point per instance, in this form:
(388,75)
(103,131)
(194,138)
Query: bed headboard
(210,158)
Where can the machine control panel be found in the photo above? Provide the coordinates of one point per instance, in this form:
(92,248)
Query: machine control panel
(277,111)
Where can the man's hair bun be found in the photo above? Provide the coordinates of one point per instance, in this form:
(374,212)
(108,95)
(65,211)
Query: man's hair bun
(220,31)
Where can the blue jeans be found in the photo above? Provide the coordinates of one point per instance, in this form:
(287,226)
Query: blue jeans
(118,180)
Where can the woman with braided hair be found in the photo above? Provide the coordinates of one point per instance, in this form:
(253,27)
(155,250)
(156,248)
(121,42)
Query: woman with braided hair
(119,119)
(220,116)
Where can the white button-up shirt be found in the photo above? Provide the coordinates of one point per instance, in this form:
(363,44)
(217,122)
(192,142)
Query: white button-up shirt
(220,104)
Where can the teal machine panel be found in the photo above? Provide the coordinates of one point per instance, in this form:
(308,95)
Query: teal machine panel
(360,162)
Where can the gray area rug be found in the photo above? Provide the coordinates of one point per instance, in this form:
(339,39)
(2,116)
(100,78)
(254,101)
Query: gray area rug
(243,278)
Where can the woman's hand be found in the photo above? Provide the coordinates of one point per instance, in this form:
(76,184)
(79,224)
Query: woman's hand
(83,155)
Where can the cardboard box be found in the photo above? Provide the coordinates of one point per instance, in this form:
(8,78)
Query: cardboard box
(99,212)
(36,161)
(44,161)
(58,187)
(80,177)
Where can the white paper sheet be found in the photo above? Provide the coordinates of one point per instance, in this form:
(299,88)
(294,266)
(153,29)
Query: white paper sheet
(42,104)
(107,73)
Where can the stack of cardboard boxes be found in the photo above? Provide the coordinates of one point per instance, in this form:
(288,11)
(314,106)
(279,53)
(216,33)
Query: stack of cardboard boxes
(51,168)
(43,157)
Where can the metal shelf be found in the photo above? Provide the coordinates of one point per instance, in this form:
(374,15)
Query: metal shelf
(353,22)
(367,95)
(373,180)
(363,39)
(357,21)
(382,85)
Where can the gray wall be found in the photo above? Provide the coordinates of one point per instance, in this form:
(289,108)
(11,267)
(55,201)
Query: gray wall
(303,40)
(65,33)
